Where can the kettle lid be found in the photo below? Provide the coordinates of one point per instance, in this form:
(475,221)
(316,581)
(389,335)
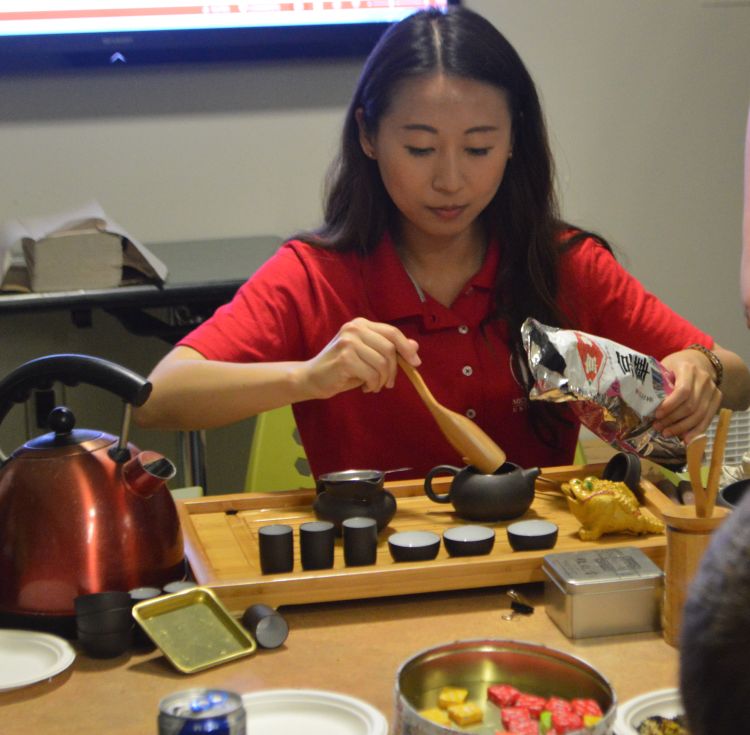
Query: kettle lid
(61,420)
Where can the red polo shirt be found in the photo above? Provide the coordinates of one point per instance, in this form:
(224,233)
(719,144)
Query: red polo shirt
(295,304)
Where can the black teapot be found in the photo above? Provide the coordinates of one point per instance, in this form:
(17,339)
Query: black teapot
(506,493)
(354,493)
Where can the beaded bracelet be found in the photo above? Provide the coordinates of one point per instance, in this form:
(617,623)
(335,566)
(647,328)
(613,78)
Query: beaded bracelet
(713,359)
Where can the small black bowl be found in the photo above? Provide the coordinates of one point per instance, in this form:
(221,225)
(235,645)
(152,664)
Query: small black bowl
(98,601)
(624,467)
(532,535)
(469,540)
(106,645)
(105,621)
(731,495)
(414,545)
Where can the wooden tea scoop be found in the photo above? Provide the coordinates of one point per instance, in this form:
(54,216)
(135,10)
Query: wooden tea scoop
(463,434)
(717,459)
(695,449)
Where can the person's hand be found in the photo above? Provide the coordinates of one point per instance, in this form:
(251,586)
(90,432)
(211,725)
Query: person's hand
(362,354)
(688,410)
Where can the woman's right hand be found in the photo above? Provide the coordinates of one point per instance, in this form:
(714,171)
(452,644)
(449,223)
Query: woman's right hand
(362,354)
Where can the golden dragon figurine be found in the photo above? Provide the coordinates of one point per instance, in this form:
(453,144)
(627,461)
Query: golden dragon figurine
(603,506)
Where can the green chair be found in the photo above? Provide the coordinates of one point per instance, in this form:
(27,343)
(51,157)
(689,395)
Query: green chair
(580,457)
(277,458)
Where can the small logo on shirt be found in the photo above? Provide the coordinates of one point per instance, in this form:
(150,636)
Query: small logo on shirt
(520,405)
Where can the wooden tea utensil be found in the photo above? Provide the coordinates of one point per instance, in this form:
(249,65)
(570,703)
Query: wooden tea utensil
(695,449)
(717,459)
(688,536)
(463,434)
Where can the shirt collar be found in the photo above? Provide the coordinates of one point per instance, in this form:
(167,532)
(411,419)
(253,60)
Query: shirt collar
(391,291)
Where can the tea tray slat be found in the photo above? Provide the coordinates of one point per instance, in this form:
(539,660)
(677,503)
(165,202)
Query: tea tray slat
(221,544)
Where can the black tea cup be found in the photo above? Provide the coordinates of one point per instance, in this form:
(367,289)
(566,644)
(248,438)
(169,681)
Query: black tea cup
(276,546)
(316,541)
(360,541)
(266,625)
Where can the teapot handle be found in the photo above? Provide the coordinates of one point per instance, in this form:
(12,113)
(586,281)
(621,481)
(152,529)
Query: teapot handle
(431,494)
(72,369)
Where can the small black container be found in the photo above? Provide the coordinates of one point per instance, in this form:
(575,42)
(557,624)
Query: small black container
(178,586)
(98,601)
(106,645)
(414,545)
(360,541)
(731,495)
(266,625)
(624,467)
(276,546)
(469,540)
(104,621)
(532,535)
(316,542)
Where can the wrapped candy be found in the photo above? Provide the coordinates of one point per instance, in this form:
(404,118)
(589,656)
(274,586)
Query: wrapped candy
(613,389)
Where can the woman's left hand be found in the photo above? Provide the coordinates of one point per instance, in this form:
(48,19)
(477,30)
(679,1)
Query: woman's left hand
(688,410)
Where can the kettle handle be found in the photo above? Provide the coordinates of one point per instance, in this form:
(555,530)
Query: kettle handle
(72,369)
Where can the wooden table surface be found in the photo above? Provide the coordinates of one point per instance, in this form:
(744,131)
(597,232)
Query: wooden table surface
(354,647)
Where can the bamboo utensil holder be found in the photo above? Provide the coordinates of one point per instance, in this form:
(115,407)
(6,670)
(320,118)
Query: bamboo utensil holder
(688,537)
(689,529)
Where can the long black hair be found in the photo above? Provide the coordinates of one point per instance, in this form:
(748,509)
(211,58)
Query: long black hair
(522,217)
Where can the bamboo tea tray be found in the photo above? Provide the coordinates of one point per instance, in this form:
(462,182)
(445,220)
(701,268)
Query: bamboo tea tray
(221,544)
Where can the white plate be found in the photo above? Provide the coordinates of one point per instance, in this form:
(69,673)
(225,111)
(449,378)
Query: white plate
(29,657)
(312,712)
(630,714)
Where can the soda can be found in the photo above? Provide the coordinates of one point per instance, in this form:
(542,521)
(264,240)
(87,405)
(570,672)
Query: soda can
(202,712)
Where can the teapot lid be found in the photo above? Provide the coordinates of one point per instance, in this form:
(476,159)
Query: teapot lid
(61,420)
(353,476)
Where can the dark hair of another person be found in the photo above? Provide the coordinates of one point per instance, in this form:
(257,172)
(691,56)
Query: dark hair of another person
(522,217)
(715,633)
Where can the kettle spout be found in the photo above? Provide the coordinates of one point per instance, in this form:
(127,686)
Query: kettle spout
(147,472)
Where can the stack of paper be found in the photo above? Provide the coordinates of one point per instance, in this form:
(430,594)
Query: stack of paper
(83,249)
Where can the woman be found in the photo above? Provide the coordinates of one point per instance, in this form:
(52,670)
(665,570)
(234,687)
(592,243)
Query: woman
(441,236)
(714,634)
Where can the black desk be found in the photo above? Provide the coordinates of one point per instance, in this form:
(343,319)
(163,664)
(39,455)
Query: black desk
(203,274)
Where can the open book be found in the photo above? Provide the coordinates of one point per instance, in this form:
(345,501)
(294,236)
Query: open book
(82,249)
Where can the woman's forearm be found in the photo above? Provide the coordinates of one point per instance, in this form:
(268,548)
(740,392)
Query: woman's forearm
(190,392)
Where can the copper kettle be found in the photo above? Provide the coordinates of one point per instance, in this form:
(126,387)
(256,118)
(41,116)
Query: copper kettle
(81,511)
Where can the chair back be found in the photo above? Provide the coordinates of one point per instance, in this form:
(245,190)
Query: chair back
(277,459)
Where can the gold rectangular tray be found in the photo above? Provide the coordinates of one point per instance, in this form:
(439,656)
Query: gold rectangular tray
(221,544)
(193,629)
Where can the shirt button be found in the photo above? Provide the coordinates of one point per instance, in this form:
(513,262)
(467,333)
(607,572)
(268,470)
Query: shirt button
(471,413)
(467,370)
(463,329)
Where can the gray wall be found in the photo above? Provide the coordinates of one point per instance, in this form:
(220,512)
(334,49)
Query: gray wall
(646,102)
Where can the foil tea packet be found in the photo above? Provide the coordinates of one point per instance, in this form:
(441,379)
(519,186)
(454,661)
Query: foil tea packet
(612,389)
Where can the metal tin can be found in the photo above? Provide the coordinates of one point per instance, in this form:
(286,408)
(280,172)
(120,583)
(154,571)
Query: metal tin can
(607,591)
(198,711)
